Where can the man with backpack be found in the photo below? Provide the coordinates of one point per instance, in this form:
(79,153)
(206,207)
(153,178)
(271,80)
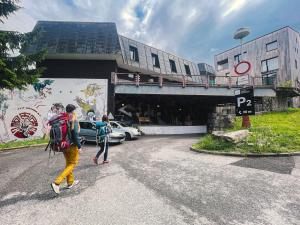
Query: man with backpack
(103,130)
(70,147)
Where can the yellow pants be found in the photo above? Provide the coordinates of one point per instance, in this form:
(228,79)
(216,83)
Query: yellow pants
(71,156)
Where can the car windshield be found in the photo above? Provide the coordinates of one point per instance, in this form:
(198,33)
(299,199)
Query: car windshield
(123,124)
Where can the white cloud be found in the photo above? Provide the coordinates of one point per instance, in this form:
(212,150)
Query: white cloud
(165,24)
(233,6)
(128,14)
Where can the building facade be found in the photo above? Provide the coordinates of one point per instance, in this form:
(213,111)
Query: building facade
(89,50)
(274,59)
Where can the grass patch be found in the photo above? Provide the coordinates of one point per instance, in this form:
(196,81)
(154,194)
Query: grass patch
(15,144)
(208,142)
(274,132)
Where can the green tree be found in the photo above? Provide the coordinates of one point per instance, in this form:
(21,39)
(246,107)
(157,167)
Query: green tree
(20,70)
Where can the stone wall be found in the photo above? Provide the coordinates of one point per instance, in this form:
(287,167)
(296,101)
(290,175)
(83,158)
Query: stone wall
(223,116)
(278,103)
(295,102)
(221,119)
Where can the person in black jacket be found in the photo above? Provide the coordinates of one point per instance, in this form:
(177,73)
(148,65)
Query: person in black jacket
(71,154)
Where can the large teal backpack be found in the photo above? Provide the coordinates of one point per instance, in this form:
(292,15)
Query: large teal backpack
(102,131)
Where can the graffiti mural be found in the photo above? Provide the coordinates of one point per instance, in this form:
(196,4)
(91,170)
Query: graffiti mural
(24,125)
(92,94)
(25,114)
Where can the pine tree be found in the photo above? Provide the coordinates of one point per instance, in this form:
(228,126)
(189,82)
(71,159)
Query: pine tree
(20,70)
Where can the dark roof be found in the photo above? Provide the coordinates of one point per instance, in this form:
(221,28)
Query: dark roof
(76,38)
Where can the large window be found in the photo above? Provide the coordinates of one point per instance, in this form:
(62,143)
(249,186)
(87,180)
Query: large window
(187,69)
(155,60)
(134,55)
(237,58)
(173,66)
(269,65)
(222,65)
(269,78)
(271,46)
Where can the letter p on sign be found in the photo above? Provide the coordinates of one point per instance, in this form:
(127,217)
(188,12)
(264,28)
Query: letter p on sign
(240,100)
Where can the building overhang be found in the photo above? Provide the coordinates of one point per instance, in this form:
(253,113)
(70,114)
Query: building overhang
(288,92)
(189,90)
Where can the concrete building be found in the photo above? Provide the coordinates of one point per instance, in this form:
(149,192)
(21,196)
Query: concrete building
(92,66)
(274,60)
(95,51)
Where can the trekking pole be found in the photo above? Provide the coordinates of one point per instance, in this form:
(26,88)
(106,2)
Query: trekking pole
(105,143)
(47,146)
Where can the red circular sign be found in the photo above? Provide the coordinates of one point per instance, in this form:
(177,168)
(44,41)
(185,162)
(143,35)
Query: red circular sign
(24,125)
(242,67)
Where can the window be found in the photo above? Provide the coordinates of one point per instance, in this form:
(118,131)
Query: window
(271,46)
(268,79)
(83,125)
(173,66)
(113,125)
(296,64)
(269,65)
(86,125)
(123,124)
(155,60)
(237,58)
(187,69)
(134,56)
(222,65)
(212,81)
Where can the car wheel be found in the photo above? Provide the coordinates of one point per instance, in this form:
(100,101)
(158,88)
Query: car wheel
(128,136)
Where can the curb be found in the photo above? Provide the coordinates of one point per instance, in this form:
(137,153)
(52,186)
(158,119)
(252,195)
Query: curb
(22,147)
(236,154)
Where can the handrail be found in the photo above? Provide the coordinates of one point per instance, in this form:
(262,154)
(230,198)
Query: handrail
(189,80)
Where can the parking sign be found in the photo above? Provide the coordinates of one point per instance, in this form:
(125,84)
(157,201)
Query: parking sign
(244,102)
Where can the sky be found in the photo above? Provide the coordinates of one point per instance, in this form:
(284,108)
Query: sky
(192,29)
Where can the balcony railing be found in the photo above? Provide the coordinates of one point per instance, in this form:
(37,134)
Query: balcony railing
(207,81)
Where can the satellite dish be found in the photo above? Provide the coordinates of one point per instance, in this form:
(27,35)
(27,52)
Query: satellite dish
(241,33)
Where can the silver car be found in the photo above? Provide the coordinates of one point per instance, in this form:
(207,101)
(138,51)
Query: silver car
(130,132)
(88,132)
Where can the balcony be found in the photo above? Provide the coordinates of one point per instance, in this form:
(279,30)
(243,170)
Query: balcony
(208,81)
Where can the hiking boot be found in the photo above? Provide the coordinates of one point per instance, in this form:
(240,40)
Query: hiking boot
(72,185)
(95,160)
(55,188)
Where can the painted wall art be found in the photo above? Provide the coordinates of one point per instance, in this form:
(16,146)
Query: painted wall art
(25,114)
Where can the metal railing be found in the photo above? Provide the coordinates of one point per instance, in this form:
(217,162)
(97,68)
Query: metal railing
(206,81)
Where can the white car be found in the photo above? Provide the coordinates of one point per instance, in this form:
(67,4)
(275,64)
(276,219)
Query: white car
(130,132)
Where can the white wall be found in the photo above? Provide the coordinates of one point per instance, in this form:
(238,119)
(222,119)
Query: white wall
(153,130)
(31,107)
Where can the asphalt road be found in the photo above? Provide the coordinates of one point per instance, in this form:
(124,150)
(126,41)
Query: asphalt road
(154,180)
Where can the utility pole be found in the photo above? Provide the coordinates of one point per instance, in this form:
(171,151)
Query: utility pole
(239,35)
